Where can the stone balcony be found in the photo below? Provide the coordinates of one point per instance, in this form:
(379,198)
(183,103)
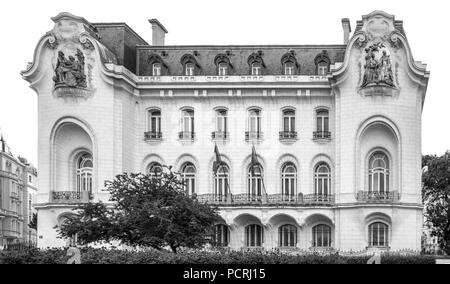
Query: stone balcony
(245,199)
(377,197)
(69,197)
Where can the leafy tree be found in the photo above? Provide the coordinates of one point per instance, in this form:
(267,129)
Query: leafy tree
(147,211)
(436,197)
(33,222)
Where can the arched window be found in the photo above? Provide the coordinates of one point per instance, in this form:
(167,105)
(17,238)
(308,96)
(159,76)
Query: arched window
(256,64)
(379,173)
(156,69)
(221,235)
(287,236)
(255,183)
(223,64)
(190,65)
(289,121)
(222,122)
(321,236)
(288,181)
(188,177)
(322,62)
(322,180)
(221,183)
(289,63)
(254,235)
(187,124)
(322,124)
(84,166)
(154,169)
(378,234)
(154,124)
(254,125)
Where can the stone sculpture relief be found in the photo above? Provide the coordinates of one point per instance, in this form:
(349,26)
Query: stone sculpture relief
(378,67)
(69,72)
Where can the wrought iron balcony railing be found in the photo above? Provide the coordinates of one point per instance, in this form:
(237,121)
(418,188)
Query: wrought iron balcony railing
(186,135)
(216,199)
(71,197)
(220,135)
(318,199)
(286,135)
(321,135)
(377,197)
(151,135)
(252,135)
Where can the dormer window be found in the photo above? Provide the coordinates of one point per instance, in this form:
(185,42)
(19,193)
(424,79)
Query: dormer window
(156,71)
(322,62)
(256,69)
(190,65)
(322,69)
(289,63)
(256,64)
(189,69)
(289,68)
(223,69)
(223,64)
(157,65)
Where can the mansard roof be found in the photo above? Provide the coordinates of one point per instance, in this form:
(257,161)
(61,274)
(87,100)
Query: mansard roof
(239,57)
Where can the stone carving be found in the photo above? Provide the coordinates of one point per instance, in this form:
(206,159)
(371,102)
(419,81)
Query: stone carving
(69,72)
(378,67)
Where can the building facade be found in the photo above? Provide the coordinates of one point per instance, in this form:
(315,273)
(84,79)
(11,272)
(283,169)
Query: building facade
(336,130)
(14,203)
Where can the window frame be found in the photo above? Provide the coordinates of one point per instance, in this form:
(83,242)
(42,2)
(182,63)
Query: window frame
(84,174)
(382,175)
(221,182)
(321,179)
(282,236)
(291,179)
(324,235)
(251,241)
(189,178)
(386,234)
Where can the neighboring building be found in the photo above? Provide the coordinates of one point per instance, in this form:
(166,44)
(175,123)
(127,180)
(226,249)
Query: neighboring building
(337,130)
(13,198)
(31,181)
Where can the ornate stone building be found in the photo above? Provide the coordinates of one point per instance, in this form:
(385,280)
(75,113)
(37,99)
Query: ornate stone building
(336,130)
(16,175)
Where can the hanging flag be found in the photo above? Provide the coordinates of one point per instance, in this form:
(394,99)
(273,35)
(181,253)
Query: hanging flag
(218,162)
(254,161)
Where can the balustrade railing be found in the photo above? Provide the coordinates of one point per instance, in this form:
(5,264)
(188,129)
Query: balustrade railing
(377,197)
(72,197)
(265,199)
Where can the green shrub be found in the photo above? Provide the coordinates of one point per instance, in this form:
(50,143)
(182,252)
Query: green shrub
(116,256)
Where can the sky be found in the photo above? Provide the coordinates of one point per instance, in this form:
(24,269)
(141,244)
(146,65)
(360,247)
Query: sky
(212,22)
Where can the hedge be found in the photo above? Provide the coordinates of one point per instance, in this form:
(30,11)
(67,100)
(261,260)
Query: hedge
(110,256)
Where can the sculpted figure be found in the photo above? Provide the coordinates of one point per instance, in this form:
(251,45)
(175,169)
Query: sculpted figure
(70,72)
(385,73)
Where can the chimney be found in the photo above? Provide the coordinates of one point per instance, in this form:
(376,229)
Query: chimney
(347,29)
(158,32)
